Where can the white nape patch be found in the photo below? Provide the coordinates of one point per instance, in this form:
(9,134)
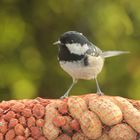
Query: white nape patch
(76,48)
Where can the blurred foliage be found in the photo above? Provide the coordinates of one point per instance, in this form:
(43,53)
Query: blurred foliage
(28,60)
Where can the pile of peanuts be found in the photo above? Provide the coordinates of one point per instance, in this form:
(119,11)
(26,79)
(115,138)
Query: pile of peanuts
(22,120)
(88,117)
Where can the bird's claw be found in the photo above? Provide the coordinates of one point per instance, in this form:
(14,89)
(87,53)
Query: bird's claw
(100,93)
(64,96)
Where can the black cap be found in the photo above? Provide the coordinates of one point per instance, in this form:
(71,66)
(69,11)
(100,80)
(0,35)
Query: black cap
(74,37)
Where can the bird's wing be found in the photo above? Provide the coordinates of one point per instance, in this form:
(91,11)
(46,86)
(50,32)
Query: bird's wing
(93,50)
(91,54)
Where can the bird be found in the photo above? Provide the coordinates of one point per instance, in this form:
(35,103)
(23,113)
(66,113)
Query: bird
(81,59)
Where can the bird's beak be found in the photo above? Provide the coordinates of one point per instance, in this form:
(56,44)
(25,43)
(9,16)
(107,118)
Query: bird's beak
(57,42)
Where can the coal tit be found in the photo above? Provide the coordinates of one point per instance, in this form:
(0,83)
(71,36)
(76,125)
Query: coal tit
(80,58)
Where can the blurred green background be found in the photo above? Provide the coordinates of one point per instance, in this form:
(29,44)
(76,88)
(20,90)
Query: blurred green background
(28,60)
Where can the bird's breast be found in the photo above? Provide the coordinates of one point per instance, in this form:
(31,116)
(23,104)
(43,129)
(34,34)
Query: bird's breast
(78,70)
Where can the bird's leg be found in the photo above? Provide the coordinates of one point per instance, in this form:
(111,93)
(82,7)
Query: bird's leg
(99,92)
(69,89)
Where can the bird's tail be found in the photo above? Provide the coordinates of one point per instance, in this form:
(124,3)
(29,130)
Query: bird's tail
(113,53)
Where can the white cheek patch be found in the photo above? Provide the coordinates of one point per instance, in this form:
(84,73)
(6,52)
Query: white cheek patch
(76,48)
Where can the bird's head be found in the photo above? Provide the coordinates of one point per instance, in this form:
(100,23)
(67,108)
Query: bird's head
(72,37)
(72,44)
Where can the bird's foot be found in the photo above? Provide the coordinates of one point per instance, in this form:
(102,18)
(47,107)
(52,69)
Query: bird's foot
(100,93)
(64,96)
